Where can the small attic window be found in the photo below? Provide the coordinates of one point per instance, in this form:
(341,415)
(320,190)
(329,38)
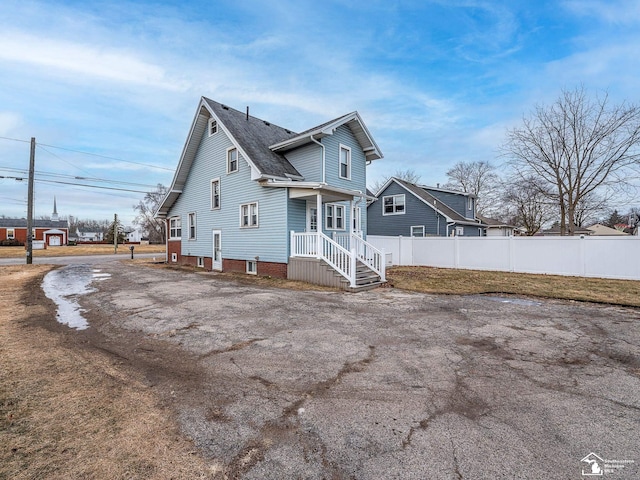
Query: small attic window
(213,126)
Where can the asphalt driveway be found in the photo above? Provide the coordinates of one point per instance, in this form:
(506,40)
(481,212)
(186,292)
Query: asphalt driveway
(277,383)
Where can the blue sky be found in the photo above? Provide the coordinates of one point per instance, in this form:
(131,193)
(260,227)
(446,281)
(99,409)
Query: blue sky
(436,81)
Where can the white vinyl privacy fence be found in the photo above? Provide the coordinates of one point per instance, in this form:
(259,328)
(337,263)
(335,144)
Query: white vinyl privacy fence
(606,257)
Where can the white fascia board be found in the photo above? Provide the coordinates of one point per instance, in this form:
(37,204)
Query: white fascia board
(182,158)
(253,166)
(314,186)
(447,218)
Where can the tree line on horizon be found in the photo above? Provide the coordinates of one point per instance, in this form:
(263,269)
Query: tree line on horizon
(568,165)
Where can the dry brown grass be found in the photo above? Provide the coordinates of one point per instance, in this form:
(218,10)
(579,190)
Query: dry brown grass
(94,249)
(73,413)
(465,282)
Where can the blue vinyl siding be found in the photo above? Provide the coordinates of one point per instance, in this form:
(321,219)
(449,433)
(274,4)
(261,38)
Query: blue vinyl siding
(416,213)
(268,240)
(455,201)
(332,143)
(308,161)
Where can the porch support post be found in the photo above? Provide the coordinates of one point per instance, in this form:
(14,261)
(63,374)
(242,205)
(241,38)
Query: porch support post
(351,218)
(319,217)
(320,213)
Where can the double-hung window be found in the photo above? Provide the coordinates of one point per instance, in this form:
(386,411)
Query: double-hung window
(417,231)
(393,204)
(192,226)
(334,216)
(213,127)
(215,194)
(345,162)
(249,215)
(175,228)
(11,233)
(232,160)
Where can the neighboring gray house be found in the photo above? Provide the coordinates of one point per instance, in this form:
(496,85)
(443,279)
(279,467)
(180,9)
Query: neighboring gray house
(403,208)
(496,228)
(253,197)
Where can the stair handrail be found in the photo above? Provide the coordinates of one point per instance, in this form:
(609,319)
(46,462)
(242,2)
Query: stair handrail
(338,257)
(369,255)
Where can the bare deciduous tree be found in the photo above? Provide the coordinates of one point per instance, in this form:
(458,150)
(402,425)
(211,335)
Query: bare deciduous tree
(577,147)
(146,209)
(478,178)
(528,204)
(407,175)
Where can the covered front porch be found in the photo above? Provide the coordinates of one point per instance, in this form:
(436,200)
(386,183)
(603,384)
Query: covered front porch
(333,236)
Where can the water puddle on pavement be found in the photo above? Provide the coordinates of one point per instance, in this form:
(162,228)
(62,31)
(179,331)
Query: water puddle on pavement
(65,285)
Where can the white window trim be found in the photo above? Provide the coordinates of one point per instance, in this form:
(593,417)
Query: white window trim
(257,224)
(229,150)
(200,263)
(356,218)
(178,237)
(194,226)
(459,231)
(417,226)
(394,204)
(348,149)
(211,123)
(12,235)
(219,194)
(255,267)
(334,216)
(470,203)
(174,257)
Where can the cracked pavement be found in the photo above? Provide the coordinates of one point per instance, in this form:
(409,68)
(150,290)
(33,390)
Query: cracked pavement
(276,383)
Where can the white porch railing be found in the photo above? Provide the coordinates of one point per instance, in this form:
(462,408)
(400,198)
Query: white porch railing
(343,260)
(369,255)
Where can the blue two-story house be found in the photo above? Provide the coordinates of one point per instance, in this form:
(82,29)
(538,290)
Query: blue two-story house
(403,208)
(250,196)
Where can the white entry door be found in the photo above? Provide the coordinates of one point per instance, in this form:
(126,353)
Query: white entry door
(217,250)
(312,217)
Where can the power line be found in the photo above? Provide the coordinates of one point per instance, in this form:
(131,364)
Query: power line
(108,157)
(76,184)
(75,177)
(15,139)
(88,153)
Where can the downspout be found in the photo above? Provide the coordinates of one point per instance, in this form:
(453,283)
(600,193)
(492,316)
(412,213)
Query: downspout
(324,176)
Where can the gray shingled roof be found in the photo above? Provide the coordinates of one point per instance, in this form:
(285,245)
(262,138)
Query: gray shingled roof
(22,223)
(255,136)
(430,199)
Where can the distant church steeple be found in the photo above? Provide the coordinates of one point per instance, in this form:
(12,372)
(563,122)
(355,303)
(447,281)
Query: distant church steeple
(54,216)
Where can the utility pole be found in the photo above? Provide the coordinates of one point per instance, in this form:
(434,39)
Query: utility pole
(32,161)
(115,233)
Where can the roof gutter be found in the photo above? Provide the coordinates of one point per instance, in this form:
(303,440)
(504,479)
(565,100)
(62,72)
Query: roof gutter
(324,175)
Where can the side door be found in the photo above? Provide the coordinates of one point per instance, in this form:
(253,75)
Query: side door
(216,263)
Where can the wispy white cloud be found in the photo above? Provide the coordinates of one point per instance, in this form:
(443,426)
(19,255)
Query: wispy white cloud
(9,121)
(618,12)
(92,61)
